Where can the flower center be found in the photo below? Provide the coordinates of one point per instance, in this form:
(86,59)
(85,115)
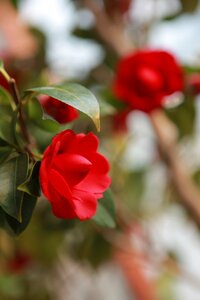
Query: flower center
(149,79)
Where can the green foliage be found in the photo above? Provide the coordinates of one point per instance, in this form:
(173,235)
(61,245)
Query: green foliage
(27,208)
(5,98)
(19,173)
(13,173)
(8,125)
(75,95)
(134,188)
(105,215)
(95,249)
(11,286)
(184,116)
(32,186)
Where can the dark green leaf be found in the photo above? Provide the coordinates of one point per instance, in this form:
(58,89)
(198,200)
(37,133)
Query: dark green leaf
(105,215)
(5,153)
(27,209)
(8,129)
(191,69)
(32,186)
(4,96)
(75,95)
(2,218)
(12,174)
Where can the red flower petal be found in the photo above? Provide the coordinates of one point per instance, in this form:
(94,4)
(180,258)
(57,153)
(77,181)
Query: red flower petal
(85,204)
(144,78)
(59,183)
(73,167)
(61,207)
(73,175)
(96,181)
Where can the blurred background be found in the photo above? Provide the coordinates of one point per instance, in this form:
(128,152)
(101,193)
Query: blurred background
(155,251)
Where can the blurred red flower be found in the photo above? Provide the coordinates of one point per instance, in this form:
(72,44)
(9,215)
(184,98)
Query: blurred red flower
(73,175)
(119,121)
(144,78)
(113,6)
(61,112)
(194,83)
(19,263)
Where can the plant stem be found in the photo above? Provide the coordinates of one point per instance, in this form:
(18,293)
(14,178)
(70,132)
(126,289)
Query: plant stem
(16,98)
(22,122)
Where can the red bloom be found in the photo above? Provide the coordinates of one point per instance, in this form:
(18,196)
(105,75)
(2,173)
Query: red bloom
(144,78)
(113,6)
(194,83)
(19,263)
(73,175)
(61,112)
(119,121)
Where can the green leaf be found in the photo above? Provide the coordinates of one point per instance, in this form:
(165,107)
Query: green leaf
(75,95)
(105,215)
(8,129)
(37,115)
(5,153)
(12,174)
(27,209)
(6,132)
(191,69)
(32,186)
(106,108)
(5,97)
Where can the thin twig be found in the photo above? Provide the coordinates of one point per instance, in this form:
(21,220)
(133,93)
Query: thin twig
(16,97)
(167,140)
(112,32)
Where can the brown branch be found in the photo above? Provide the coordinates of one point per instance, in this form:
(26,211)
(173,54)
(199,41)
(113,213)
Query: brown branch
(132,262)
(167,140)
(111,32)
(114,35)
(16,97)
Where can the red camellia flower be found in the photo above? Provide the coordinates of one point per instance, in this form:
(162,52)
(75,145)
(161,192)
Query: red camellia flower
(144,78)
(61,112)
(73,175)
